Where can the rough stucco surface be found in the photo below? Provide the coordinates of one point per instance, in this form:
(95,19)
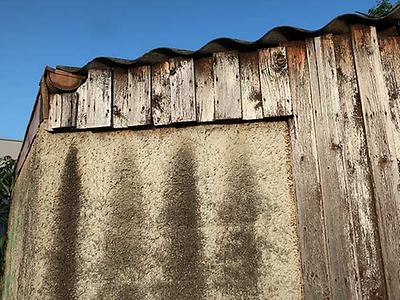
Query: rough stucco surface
(203,212)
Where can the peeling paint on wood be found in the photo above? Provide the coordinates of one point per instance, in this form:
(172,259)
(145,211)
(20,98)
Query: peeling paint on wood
(275,88)
(311,227)
(227,86)
(252,107)
(381,148)
(183,108)
(160,94)
(204,78)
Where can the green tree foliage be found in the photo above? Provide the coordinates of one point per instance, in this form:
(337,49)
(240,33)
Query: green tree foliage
(382,8)
(7,165)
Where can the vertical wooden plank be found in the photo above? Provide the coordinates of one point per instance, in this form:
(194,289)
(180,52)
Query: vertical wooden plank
(55,111)
(161,95)
(275,87)
(204,78)
(68,110)
(227,86)
(306,178)
(390,55)
(120,98)
(381,149)
(252,107)
(368,257)
(183,108)
(99,98)
(82,109)
(328,116)
(138,108)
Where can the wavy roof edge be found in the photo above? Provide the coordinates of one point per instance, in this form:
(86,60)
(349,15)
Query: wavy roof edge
(274,37)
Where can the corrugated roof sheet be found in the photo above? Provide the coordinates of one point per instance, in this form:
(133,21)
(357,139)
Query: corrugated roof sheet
(274,37)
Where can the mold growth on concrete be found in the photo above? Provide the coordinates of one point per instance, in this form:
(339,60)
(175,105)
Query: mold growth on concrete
(239,253)
(124,239)
(181,215)
(62,270)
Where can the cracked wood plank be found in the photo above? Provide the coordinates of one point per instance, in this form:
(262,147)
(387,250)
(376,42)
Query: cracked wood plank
(160,94)
(275,86)
(307,183)
(120,98)
(204,78)
(252,107)
(370,275)
(381,148)
(138,108)
(227,86)
(183,108)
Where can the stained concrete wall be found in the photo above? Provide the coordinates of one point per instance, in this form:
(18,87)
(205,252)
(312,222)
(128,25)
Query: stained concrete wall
(203,212)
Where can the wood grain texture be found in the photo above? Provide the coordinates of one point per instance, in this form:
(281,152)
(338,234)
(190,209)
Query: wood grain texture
(381,148)
(363,221)
(343,272)
(306,178)
(55,111)
(120,98)
(68,110)
(183,108)
(94,107)
(100,98)
(390,56)
(160,94)
(138,108)
(82,110)
(252,106)
(227,86)
(204,78)
(275,86)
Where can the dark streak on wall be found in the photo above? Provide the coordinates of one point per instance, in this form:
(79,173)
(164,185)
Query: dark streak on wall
(124,240)
(62,268)
(239,255)
(184,268)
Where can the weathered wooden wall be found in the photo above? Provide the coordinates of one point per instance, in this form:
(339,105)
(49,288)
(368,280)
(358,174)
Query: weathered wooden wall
(340,95)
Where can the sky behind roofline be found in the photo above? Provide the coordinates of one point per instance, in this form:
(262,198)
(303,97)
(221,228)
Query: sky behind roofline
(36,33)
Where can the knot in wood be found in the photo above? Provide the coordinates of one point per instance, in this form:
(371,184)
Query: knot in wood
(279,62)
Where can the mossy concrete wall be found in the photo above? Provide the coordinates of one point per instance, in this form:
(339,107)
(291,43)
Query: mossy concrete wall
(202,212)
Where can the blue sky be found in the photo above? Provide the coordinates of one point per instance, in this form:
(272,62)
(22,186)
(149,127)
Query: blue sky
(35,33)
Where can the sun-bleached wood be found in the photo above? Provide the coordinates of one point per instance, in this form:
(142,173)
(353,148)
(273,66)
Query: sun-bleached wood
(390,56)
(183,108)
(307,184)
(55,111)
(161,94)
(94,104)
(138,108)
(252,107)
(343,271)
(68,110)
(82,114)
(204,89)
(120,98)
(381,148)
(275,87)
(368,258)
(227,86)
